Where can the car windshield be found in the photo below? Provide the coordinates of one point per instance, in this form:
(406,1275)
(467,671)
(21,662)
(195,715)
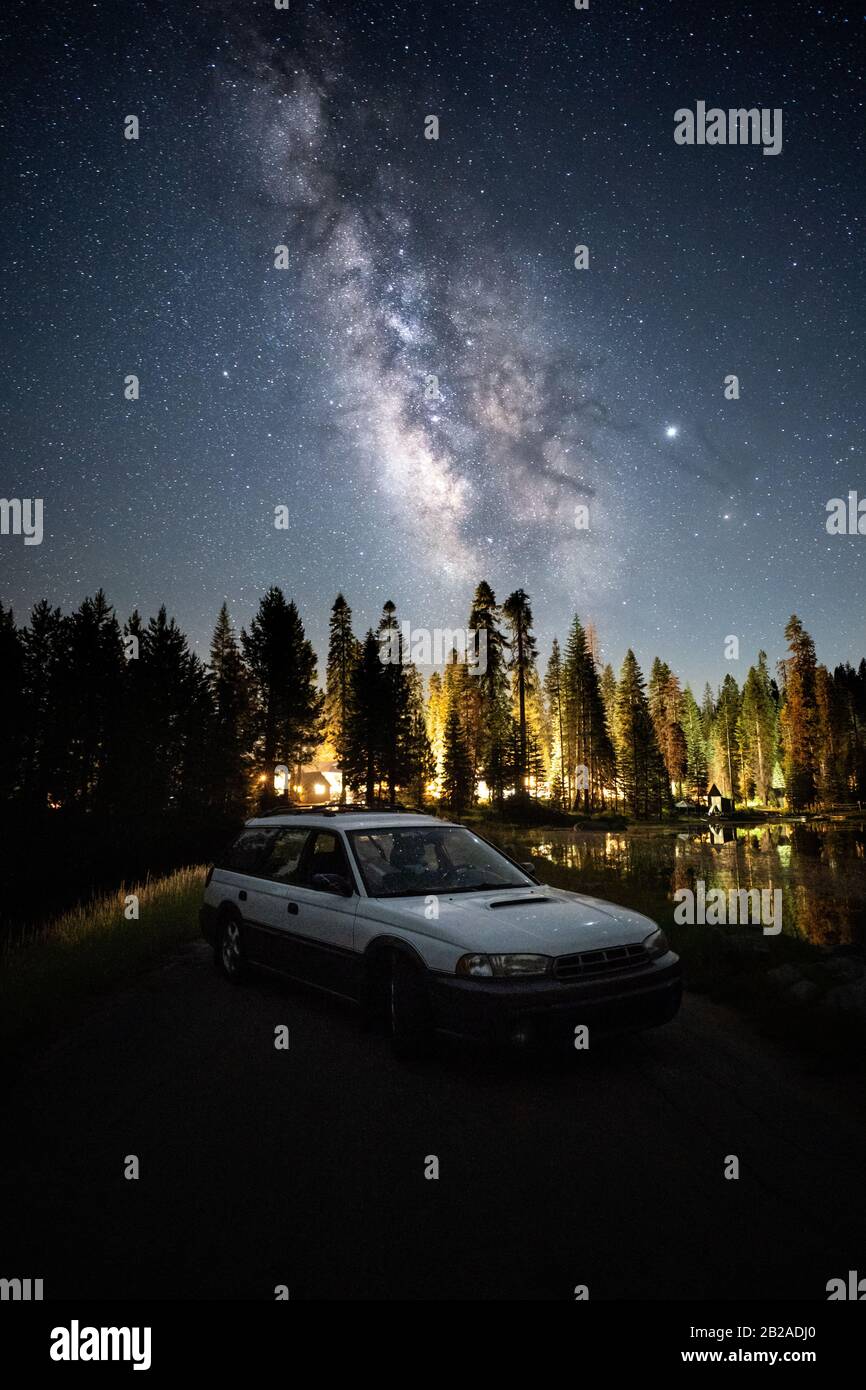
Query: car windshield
(413,861)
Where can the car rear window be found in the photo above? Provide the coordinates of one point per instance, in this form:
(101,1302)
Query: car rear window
(283,855)
(245,856)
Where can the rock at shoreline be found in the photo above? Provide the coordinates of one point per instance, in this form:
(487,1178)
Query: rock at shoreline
(849,999)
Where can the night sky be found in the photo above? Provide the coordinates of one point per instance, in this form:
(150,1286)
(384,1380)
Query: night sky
(407,257)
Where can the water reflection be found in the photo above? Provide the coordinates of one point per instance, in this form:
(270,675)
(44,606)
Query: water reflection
(820,868)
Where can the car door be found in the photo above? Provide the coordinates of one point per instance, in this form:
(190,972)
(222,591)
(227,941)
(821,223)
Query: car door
(318,927)
(270,907)
(237,881)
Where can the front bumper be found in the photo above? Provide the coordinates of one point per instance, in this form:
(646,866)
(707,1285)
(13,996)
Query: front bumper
(547,1010)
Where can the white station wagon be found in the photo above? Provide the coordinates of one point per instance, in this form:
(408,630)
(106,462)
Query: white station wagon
(428,926)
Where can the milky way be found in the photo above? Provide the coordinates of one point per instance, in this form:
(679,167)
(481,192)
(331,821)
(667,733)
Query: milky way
(450,385)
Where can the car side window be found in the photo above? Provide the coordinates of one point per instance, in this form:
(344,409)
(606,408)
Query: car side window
(284,855)
(326,855)
(248,850)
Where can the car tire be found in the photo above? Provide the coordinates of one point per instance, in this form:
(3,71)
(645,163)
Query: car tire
(410,1020)
(229,954)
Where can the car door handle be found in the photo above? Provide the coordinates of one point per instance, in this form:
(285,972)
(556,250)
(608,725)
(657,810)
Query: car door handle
(242,895)
(293,909)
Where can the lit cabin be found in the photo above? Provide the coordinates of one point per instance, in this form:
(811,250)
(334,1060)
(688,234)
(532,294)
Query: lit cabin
(718,805)
(318,784)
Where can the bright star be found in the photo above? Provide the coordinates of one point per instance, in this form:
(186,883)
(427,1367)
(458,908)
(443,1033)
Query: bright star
(672,431)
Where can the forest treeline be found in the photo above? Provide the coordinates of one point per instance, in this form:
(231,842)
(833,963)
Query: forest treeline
(124,753)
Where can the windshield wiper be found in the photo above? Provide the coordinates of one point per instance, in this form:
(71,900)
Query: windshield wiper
(440,892)
(510,886)
(483,888)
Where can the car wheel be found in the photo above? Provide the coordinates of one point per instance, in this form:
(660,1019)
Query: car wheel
(410,1020)
(229,951)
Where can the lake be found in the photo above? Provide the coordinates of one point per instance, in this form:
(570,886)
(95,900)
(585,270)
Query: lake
(820,868)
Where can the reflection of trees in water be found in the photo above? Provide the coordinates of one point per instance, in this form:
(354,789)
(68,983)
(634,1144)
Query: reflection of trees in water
(599,857)
(806,840)
(821,870)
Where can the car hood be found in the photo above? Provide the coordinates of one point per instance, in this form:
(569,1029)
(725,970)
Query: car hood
(547,921)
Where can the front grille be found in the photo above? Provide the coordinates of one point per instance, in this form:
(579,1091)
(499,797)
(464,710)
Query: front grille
(610,961)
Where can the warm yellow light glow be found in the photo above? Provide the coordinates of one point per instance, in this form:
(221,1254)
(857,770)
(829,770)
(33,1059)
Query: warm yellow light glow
(483,791)
(281,778)
(320,788)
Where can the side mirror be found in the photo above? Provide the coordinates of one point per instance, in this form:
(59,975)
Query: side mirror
(332,883)
(529,868)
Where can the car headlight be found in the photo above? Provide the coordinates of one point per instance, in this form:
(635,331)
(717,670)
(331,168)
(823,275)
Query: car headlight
(515,964)
(477,966)
(520,964)
(656,944)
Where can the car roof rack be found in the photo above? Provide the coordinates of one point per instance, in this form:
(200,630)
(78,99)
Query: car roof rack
(334,808)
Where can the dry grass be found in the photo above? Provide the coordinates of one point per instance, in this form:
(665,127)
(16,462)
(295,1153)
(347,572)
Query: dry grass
(46,973)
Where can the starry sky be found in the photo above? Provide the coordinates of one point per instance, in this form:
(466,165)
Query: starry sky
(309,387)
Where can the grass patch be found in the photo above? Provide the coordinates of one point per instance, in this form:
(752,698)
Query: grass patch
(48,973)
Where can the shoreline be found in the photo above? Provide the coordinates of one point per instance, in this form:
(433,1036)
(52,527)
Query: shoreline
(622,824)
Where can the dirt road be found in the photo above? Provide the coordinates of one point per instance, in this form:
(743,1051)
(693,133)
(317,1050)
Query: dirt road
(306,1167)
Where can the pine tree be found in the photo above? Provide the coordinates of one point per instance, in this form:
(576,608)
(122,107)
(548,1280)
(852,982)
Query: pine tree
(44,643)
(230,695)
(641,770)
(343,654)
(499,766)
(657,686)
(12,706)
(576,722)
(676,750)
(486,704)
(435,720)
(798,722)
(419,762)
(553,686)
(757,732)
(365,742)
(167,679)
(537,736)
(457,766)
(202,783)
(708,713)
(91,685)
(696,747)
(395,694)
(589,756)
(830,740)
(851,688)
(725,745)
(607,686)
(665,701)
(287,706)
(518,615)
